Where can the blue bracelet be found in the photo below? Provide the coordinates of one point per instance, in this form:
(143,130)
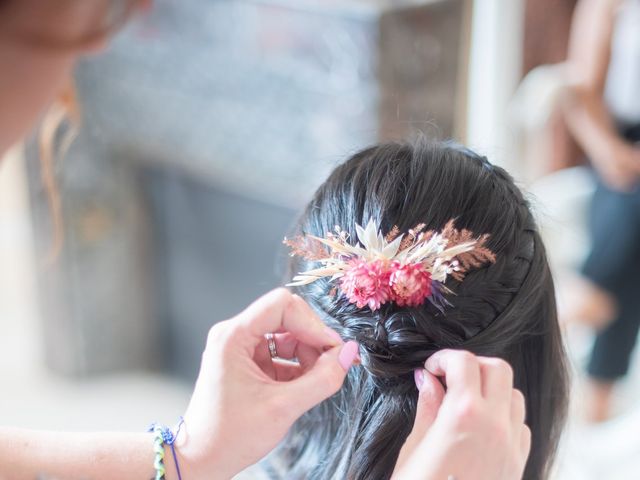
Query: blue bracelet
(164,436)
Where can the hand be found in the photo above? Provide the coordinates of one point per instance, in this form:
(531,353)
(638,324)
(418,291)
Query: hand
(619,167)
(244,402)
(474,430)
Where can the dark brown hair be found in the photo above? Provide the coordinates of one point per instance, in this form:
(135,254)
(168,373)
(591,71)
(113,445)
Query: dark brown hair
(506,309)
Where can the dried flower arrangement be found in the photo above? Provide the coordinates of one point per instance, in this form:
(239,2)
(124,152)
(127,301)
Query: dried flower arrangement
(403,268)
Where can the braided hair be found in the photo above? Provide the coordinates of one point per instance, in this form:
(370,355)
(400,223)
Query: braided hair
(505,309)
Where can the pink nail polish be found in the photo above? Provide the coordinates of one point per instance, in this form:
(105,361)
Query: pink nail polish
(333,335)
(348,354)
(418,375)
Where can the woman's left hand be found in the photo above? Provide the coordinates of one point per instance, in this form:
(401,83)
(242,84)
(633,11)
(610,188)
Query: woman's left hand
(244,401)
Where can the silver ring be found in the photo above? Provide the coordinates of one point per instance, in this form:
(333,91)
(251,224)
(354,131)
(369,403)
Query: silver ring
(271,343)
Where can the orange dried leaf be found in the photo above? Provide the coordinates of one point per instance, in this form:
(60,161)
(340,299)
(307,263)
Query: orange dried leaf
(393,234)
(306,248)
(476,258)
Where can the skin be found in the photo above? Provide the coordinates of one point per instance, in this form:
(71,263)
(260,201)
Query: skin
(238,412)
(243,402)
(616,160)
(460,429)
(30,80)
(33,75)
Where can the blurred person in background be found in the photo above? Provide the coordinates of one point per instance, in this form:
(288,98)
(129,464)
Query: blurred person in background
(239,411)
(601,108)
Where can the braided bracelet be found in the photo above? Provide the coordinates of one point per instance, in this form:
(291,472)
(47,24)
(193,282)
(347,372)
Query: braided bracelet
(162,436)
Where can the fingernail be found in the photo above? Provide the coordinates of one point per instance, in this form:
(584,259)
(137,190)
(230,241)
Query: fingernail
(348,354)
(418,376)
(432,363)
(429,364)
(333,335)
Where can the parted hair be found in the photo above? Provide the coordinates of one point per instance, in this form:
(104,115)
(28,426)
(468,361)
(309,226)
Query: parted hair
(505,309)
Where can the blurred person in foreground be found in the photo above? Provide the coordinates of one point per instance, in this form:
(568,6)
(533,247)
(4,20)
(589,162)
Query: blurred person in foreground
(601,108)
(238,412)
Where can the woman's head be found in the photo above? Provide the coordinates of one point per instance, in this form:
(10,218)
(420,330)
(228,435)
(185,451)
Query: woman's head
(40,41)
(39,44)
(71,25)
(504,309)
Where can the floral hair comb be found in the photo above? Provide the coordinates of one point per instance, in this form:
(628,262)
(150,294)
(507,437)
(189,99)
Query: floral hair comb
(403,268)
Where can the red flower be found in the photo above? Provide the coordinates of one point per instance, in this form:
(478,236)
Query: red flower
(367,283)
(410,284)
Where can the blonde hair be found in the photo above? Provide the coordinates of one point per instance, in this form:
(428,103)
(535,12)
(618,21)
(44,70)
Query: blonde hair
(57,132)
(59,127)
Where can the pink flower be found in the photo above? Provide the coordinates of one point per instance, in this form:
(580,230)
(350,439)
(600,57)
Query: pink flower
(410,284)
(366,283)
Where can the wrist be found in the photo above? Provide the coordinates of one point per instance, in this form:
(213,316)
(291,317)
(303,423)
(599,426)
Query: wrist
(174,461)
(180,455)
(200,459)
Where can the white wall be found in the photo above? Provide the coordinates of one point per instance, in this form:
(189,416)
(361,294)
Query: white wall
(494,72)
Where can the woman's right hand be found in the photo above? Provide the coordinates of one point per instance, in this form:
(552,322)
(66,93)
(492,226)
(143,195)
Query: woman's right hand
(473,430)
(619,166)
(244,401)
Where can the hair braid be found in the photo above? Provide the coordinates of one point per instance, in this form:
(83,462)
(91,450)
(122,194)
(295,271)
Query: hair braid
(504,309)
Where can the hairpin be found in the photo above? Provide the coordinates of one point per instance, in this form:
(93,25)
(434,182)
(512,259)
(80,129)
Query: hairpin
(406,269)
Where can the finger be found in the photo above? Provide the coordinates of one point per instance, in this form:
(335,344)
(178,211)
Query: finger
(323,380)
(497,381)
(430,396)
(307,355)
(518,407)
(304,306)
(306,310)
(285,344)
(285,347)
(277,311)
(286,370)
(525,442)
(459,368)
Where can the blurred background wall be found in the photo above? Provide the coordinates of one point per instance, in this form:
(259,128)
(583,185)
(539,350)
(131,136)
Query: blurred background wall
(206,127)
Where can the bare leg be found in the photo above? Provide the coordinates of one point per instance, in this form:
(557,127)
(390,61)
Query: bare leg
(565,152)
(548,145)
(598,401)
(582,301)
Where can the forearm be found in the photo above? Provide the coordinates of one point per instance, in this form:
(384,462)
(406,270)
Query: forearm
(590,122)
(583,103)
(27,455)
